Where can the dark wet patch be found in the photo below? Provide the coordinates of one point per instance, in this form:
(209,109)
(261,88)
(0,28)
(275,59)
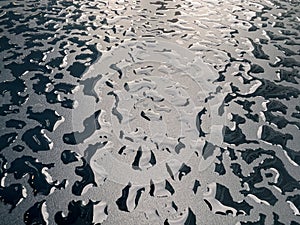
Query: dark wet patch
(85,171)
(48,118)
(37,179)
(18,124)
(36,140)
(67,156)
(7,139)
(34,214)
(11,195)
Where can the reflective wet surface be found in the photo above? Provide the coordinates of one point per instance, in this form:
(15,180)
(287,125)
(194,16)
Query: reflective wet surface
(149,112)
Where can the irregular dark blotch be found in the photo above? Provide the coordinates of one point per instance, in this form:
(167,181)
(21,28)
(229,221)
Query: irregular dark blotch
(232,154)
(169,187)
(249,155)
(89,86)
(143,114)
(179,146)
(258,51)
(77,69)
(67,156)
(76,40)
(256,69)
(286,62)
(37,179)
(246,105)
(36,55)
(274,36)
(48,118)
(36,140)
(16,89)
(121,202)
(234,88)
(56,62)
(34,214)
(109,84)
(294,223)
(274,137)
(65,88)
(58,76)
(174,206)
(286,51)
(90,124)
(95,53)
(78,214)
(238,119)
(276,106)
(169,170)
(85,171)
(254,118)
(183,171)
(135,164)
(279,121)
(11,195)
(253,28)
(223,195)
(294,155)
(235,136)
(261,221)
(208,149)
(269,89)
(116,68)
(276,220)
(285,182)
(278,24)
(152,188)
(126,86)
(138,196)
(199,122)
(18,69)
(67,103)
(236,169)
(296,115)
(106,39)
(7,139)
(114,109)
(152,159)
(52,97)
(228,98)
(18,124)
(18,148)
(41,86)
(295,200)
(261,193)
(6,109)
(122,149)
(121,134)
(191,218)
(196,185)
(288,76)
(220,169)
(4,44)
(3,163)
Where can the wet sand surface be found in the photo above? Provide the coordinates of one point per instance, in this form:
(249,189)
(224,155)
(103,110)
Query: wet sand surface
(150,112)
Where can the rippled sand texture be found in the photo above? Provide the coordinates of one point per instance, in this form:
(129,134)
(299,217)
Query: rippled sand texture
(150,112)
